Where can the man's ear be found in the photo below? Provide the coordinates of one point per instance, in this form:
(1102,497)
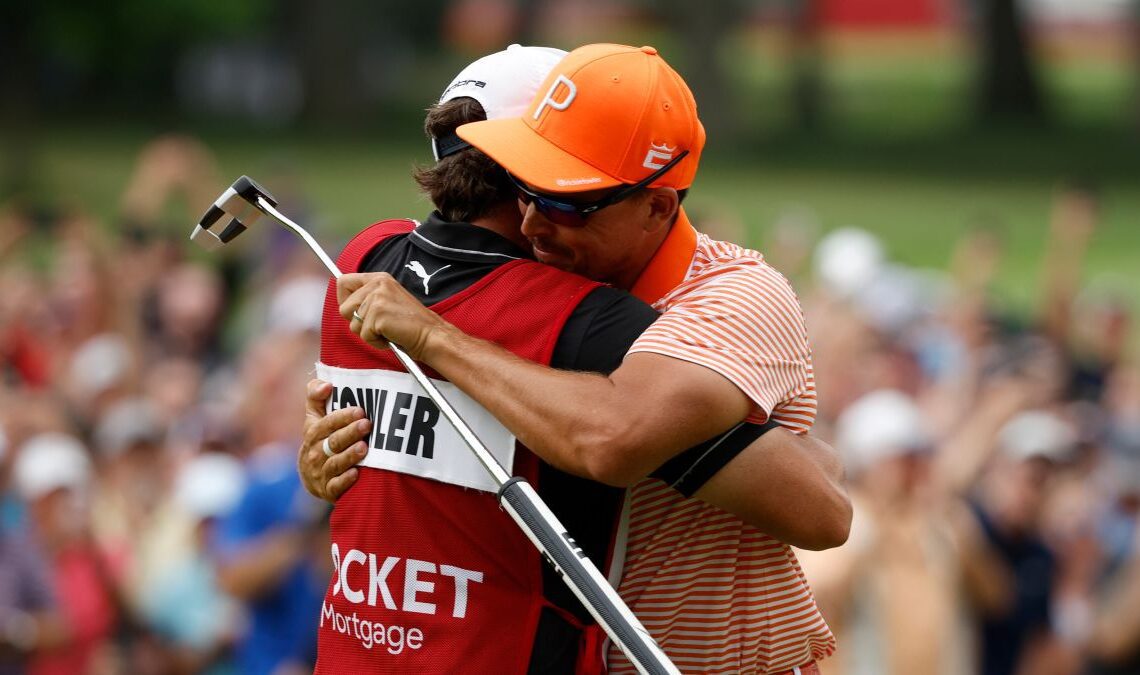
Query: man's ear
(662,204)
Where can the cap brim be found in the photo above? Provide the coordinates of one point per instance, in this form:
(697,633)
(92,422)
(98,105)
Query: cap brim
(526,155)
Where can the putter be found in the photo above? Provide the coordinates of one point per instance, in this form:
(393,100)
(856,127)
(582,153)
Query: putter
(243,203)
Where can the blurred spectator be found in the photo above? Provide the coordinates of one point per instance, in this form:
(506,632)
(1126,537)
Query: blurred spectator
(174,387)
(101,370)
(189,307)
(53,476)
(1114,643)
(181,597)
(1011,501)
(29,619)
(273,548)
(24,358)
(83,300)
(901,592)
(132,470)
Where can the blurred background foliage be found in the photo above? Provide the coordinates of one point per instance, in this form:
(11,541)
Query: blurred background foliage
(917,120)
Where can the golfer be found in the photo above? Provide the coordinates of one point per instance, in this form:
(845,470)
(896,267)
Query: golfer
(429,573)
(602,159)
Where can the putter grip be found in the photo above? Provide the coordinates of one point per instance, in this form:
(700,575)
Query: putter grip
(544,530)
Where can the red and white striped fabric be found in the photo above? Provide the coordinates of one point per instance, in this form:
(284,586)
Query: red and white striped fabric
(719,595)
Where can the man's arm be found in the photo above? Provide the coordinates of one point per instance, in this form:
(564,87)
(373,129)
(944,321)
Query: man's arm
(613,429)
(802,501)
(261,564)
(617,429)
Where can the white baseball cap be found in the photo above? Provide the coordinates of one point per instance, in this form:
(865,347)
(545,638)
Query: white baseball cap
(100,363)
(1038,433)
(880,425)
(848,259)
(297,305)
(210,485)
(127,423)
(48,462)
(504,83)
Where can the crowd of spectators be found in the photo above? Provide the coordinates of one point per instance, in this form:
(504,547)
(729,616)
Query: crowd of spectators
(993,458)
(152,521)
(150,407)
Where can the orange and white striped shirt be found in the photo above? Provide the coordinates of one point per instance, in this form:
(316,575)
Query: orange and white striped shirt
(716,593)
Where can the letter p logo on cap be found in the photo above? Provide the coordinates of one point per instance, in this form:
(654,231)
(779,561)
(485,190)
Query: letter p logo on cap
(548,100)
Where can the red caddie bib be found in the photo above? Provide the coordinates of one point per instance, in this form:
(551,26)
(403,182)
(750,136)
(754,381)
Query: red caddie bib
(431,576)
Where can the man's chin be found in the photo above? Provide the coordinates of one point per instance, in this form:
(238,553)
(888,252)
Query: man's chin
(562,262)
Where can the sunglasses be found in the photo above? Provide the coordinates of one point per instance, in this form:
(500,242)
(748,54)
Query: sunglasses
(574,214)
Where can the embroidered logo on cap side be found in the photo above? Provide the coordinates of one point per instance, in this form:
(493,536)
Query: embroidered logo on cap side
(658,156)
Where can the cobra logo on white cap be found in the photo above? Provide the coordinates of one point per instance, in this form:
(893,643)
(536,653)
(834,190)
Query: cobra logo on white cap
(548,100)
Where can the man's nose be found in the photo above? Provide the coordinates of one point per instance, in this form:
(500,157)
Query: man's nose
(534,224)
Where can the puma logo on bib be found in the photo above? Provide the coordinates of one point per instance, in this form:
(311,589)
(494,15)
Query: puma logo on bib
(417,268)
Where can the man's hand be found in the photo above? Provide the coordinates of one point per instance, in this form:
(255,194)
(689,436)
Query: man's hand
(329,477)
(386,312)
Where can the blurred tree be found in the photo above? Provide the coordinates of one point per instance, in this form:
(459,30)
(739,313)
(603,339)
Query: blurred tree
(1136,63)
(701,29)
(18,104)
(73,50)
(15,46)
(1009,84)
(352,51)
(807,83)
(326,38)
(528,21)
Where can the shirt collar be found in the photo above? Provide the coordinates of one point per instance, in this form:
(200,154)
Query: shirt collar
(669,265)
(464,241)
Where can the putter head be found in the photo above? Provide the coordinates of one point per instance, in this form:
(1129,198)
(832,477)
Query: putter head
(239,204)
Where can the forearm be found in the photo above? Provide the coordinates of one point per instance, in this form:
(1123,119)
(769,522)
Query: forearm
(261,565)
(614,429)
(789,487)
(985,576)
(567,418)
(961,457)
(1116,629)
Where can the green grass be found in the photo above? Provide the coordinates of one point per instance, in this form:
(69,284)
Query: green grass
(920,217)
(919,197)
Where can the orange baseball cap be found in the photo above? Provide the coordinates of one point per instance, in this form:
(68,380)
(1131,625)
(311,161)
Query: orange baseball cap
(606,115)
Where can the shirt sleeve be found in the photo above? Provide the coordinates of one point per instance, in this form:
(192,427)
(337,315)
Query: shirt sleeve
(689,471)
(600,331)
(596,337)
(745,323)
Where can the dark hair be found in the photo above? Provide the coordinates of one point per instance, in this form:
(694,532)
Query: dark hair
(467,185)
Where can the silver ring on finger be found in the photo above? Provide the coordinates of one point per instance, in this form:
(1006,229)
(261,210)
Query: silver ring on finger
(356,316)
(326,448)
